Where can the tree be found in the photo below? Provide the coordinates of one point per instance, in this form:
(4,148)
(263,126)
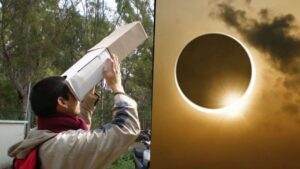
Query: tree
(44,38)
(38,39)
(137,69)
(25,34)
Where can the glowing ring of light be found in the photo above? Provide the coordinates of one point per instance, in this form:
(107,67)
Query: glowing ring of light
(234,106)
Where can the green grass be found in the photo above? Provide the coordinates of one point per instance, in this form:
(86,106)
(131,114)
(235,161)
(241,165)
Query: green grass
(125,161)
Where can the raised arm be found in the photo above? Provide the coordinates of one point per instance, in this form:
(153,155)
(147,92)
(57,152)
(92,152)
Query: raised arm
(100,147)
(87,107)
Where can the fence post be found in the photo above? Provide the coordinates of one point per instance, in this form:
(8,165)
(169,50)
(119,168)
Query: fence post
(28,113)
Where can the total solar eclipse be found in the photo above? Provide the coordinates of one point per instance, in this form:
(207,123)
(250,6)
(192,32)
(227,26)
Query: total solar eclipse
(214,71)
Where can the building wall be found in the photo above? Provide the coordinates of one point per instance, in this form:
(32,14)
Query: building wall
(11,132)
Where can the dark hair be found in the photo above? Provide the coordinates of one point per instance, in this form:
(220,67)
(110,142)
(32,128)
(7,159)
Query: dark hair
(44,94)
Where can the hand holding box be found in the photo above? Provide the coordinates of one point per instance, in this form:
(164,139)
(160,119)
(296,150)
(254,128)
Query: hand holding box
(87,72)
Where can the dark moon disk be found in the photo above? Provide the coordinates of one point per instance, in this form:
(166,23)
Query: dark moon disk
(212,66)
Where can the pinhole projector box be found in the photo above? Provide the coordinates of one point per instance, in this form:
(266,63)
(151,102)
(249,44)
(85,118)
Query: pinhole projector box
(87,72)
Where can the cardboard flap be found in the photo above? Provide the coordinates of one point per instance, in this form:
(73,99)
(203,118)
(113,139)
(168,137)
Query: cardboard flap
(123,40)
(87,72)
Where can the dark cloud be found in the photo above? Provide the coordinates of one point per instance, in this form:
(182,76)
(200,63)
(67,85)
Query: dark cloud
(291,108)
(271,34)
(248,1)
(264,13)
(292,83)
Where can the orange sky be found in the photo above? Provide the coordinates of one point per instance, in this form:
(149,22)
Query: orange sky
(268,132)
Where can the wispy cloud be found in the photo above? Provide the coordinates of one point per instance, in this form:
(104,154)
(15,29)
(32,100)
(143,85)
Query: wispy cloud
(270,34)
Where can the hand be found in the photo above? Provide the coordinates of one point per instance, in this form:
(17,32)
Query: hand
(112,74)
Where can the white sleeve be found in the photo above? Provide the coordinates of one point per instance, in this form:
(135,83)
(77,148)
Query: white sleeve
(97,148)
(87,107)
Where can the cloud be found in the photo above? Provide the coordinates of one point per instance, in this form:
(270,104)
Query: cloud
(292,83)
(270,34)
(248,1)
(274,36)
(292,108)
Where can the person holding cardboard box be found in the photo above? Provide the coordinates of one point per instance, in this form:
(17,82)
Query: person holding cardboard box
(63,139)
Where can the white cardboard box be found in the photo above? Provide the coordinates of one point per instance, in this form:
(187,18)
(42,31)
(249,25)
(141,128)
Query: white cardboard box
(87,72)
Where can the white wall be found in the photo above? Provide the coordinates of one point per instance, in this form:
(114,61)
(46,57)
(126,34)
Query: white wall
(10,133)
